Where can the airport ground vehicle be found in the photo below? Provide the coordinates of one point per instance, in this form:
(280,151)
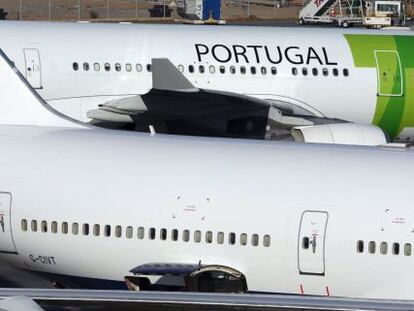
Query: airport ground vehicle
(345,13)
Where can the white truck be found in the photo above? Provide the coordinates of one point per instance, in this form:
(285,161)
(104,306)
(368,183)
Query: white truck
(383,13)
(345,13)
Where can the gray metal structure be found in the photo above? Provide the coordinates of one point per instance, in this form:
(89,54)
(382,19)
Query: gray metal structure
(129,300)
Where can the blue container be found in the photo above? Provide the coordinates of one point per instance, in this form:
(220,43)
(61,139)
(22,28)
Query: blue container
(213,6)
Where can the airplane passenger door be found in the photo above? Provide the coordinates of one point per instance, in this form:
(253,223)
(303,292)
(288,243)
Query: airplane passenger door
(33,68)
(6,238)
(311,243)
(389,75)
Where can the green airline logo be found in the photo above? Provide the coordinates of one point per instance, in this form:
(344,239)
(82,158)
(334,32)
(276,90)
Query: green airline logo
(393,57)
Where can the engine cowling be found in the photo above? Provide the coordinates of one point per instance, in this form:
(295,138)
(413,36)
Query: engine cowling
(340,133)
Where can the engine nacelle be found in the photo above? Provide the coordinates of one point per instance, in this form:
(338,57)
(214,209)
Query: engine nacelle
(340,133)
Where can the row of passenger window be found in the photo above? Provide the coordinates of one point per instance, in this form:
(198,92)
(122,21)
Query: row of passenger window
(151,233)
(383,248)
(107,67)
(212,69)
(315,72)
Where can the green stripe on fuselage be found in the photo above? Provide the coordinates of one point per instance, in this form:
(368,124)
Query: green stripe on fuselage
(392,113)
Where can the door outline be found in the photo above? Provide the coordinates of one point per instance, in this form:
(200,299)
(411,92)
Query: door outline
(378,73)
(39,63)
(9,222)
(324,242)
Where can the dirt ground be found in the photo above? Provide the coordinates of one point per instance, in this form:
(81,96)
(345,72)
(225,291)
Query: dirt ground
(137,10)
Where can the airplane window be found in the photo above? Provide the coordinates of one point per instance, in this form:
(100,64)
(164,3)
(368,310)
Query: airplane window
(407,249)
(396,248)
(325,71)
(305,242)
(263,70)
(201,69)
(107,230)
(255,239)
(141,233)
(243,239)
(85,229)
(54,227)
(75,228)
(34,225)
(197,236)
(191,68)
(305,71)
(96,67)
(24,224)
(295,71)
(181,68)
(107,67)
(118,67)
(232,238)
(128,67)
(253,70)
(65,227)
(335,72)
(75,66)
(371,247)
(266,240)
(345,72)
(138,67)
(360,246)
(86,66)
(151,233)
(129,232)
(174,234)
(186,235)
(163,234)
(384,248)
(212,69)
(273,70)
(315,71)
(220,237)
(118,231)
(232,70)
(96,230)
(222,69)
(243,70)
(43,226)
(149,67)
(209,237)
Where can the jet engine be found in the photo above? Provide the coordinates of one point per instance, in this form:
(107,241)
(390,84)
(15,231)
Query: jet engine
(340,133)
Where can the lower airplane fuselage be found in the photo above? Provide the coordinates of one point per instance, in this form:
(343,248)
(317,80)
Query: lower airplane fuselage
(292,218)
(358,76)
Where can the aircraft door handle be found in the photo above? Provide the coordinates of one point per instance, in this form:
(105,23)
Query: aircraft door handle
(314,244)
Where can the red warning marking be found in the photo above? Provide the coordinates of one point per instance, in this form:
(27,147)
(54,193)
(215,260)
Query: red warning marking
(301,289)
(327,291)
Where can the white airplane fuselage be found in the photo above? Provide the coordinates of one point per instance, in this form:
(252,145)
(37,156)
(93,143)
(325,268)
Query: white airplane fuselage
(356,75)
(87,203)
(281,190)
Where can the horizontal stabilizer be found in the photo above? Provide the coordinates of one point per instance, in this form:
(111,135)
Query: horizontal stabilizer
(21,105)
(165,76)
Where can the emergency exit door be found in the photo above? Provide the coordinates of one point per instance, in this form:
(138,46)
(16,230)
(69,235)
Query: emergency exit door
(389,75)
(33,67)
(6,237)
(311,242)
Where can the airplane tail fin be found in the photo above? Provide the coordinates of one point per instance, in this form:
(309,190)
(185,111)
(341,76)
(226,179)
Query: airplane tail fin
(165,76)
(21,105)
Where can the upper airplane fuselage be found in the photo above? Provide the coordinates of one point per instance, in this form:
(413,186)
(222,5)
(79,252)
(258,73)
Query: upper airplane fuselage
(356,75)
